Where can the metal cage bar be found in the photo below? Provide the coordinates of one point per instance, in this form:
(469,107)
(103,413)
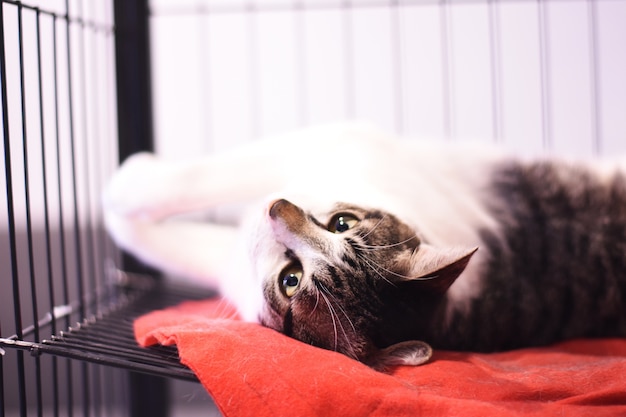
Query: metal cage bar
(53,62)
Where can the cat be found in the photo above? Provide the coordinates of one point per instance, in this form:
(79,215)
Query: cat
(379,248)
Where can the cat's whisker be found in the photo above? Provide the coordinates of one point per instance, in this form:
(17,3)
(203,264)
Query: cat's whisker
(380,221)
(222,309)
(391,272)
(334,315)
(373,267)
(323,287)
(367,247)
(317,298)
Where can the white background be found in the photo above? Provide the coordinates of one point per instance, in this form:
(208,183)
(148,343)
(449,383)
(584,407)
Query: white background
(536,76)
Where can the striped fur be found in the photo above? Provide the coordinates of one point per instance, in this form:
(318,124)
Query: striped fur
(560,270)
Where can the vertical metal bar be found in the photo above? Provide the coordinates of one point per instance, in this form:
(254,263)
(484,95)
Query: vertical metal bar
(134,95)
(96,373)
(86,174)
(62,246)
(149,395)
(496,69)
(42,133)
(112,253)
(92,233)
(51,299)
(594,68)
(29,229)
(17,311)
(108,388)
(99,238)
(9,182)
(544,59)
(77,236)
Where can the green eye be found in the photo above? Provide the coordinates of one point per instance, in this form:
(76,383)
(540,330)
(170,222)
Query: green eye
(342,222)
(290,280)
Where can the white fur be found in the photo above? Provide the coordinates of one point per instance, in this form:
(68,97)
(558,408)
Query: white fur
(434,188)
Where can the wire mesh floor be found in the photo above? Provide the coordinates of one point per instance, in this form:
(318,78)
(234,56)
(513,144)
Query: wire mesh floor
(108,339)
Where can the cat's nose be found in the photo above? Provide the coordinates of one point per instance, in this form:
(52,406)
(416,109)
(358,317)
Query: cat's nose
(285,210)
(293,228)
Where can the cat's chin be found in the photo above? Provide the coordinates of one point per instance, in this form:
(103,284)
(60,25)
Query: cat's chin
(270,319)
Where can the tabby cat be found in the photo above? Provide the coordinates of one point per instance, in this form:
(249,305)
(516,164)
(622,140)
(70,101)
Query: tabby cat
(379,248)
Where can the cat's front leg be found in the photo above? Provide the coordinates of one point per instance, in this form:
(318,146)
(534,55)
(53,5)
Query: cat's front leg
(146,187)
(195,251)
(207,254)
(152,188)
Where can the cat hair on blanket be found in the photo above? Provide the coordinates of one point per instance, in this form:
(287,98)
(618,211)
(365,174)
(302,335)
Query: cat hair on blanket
(379,248)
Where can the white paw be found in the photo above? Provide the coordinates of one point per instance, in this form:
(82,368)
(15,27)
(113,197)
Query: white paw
(143,187)
(124,231)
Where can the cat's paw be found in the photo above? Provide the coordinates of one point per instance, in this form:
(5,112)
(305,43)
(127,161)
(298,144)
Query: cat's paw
(408,353)
(126,232)
(142,187)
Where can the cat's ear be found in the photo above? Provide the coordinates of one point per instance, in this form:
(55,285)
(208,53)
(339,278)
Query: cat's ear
(436,269)
(408,353)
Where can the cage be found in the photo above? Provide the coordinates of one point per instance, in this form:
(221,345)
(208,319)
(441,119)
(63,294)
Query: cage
(60,123)
(85,84)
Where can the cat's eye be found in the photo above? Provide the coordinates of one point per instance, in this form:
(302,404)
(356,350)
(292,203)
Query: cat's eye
(290,280)
(342,222)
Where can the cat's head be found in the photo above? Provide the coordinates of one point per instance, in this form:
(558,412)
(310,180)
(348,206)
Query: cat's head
(354,280)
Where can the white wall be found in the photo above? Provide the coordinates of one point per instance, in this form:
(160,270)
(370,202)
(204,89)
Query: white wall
(541,76)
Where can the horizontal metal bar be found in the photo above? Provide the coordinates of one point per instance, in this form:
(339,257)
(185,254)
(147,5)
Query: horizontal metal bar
(158,369)
(133,354)
(108,338)
(136,286)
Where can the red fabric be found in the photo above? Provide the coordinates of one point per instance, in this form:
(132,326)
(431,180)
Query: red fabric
(252,370)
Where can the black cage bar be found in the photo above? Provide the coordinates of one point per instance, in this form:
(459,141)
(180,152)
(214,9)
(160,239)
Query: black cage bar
(75,101)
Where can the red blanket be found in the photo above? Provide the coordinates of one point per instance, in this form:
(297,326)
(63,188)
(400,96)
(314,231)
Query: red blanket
(252,370)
